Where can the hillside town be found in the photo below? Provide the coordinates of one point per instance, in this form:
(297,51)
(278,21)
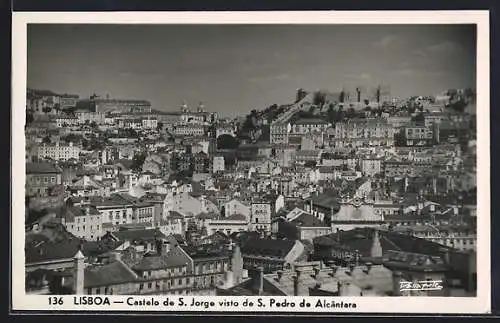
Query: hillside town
(344,193)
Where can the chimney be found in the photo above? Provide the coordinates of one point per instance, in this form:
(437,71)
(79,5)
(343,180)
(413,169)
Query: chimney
(79,272)
(376,250)
(397,277)
(237,264)
(316,272)
(334,270)
(258,280)
(446,255)
(368,267)
(296,284)
(280,275)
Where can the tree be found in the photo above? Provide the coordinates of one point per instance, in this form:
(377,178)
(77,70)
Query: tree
(46,109)
(29,116)
(138,161)
(458,106)
(46,140)
(159,126)
(351,112)
(331,113)
(226,142)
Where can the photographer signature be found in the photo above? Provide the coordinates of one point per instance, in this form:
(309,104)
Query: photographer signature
(421,285)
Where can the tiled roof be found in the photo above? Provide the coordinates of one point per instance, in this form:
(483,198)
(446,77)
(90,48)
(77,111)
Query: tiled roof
(174,258)
(326,200)
(311,121)
(38,168)
(114,273)
(267,247)
(70,212)
(361,239)
(308,220)
(66,249)
(236,216)
(203,252)
(139,235)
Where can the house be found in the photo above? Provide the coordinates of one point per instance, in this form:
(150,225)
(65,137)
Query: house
(84,222)
(272,254)
(354,213)
(235,206)
(300,225)
(142,239)
(85,186)
(41,177)
(57,151)
(218,164)
(228,225)
(119,209)
(322,206)
(261,212)
(370,166)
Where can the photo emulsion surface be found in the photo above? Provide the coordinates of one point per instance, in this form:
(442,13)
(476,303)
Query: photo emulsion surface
(251,160)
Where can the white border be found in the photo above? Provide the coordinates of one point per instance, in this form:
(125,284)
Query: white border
(479,304)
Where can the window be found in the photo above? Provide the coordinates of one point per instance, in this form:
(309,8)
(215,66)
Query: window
(141,286)
(105,290)
(150,285)
(180,281)
(98,291)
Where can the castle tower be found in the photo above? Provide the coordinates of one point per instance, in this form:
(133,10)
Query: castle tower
(79,273)
(376,251)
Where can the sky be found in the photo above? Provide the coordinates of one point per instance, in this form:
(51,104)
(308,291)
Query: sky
(235,68)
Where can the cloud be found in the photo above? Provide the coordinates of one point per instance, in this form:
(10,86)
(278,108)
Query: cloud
(445,47)
(412,72)
(362,76)
(272,78)
(419,52)
(385,41)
